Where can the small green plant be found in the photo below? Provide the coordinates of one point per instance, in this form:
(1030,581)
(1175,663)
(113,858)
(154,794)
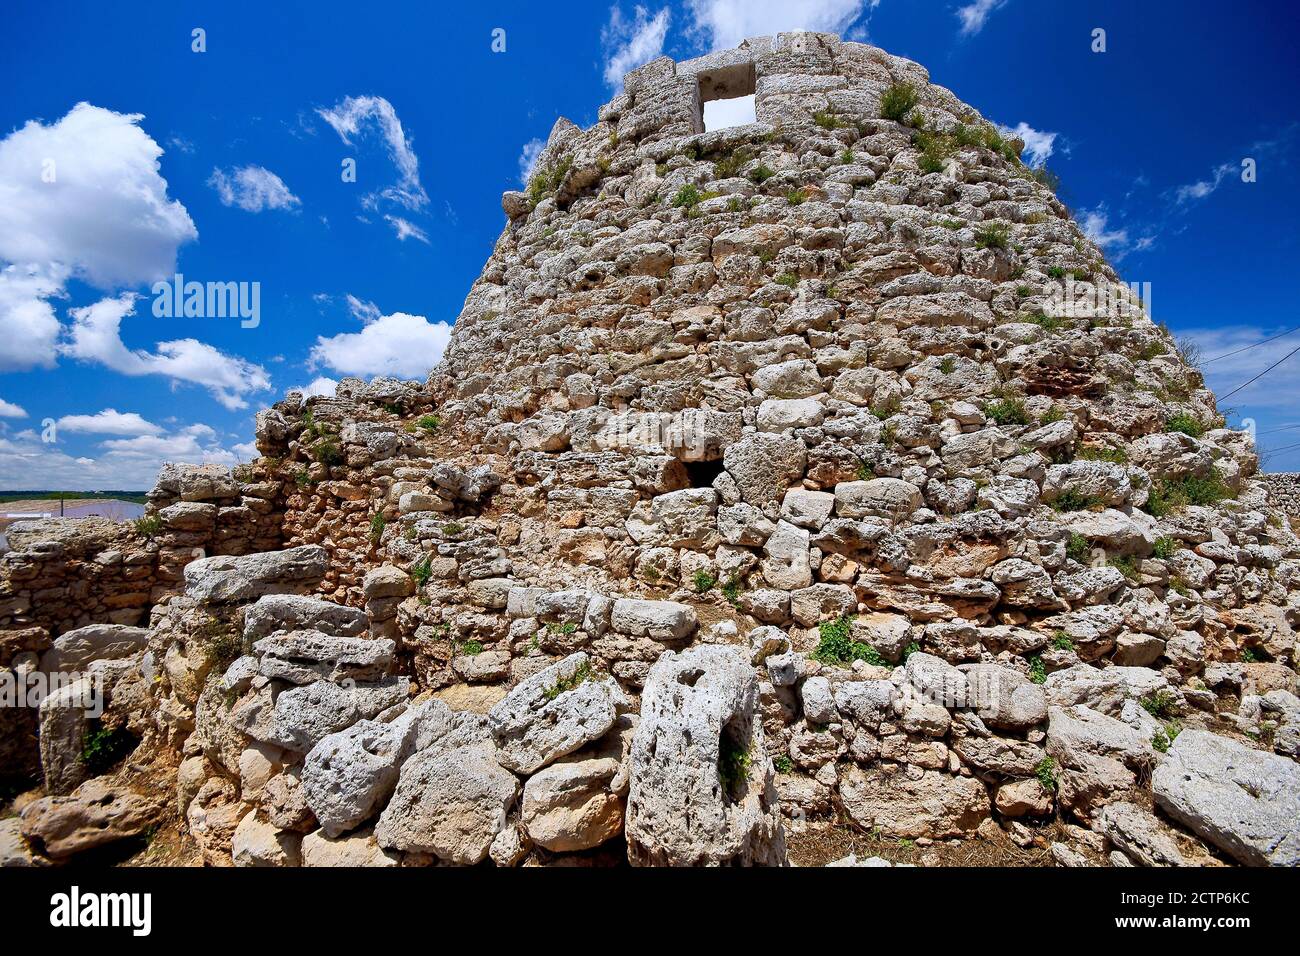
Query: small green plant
(566,628)
(796,196)
(888,407)
(1078,548)
(1048,323)
(1072,500)
(731,590)
(1045,771)
(846,157)
(453,527)
(827,120)
(729,166)
(421,571)
(898,101)
(1037,669)
(429,423)
(1007,411)
(1168,496)
(783,764)
(1126,566)
(837,646)
(377,526)
(995,236)
(1164,548)
(1164,736)
(913,647)
(470,648)
(788,279)
(761,173)
(328,453)
(704,581)
(1248,656)
(102,747)
(149,526)
(1116,456)
(733,764)
(580,675)
(1043,175)
(947,365)
(1062,641)
(688,197)
(1160,704)
(1186,424)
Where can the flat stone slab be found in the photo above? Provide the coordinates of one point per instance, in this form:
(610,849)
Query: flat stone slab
(1244,801)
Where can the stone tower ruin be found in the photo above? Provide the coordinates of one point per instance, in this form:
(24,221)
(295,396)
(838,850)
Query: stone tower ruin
(808,475)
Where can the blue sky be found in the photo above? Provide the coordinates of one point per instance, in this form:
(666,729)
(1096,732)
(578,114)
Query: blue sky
(226,165)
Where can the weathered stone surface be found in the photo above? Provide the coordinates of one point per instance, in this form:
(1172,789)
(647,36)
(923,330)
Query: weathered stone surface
(1139,835)
(258,843)
(934,805)
(96,814)
(699,713)
(302,657)
(451,803)
(661,620)
(572,805)
(356,849)
(74,650)
(1246,802)
(220,580)
(553,713)
(297,612)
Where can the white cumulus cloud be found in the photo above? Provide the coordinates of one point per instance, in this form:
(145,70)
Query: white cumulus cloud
(1039,144)
(397,345)
(10,410)
(629,44)
(96,336)
(724,23)
(252,189)
(105,216)
(108,422)
(80,198)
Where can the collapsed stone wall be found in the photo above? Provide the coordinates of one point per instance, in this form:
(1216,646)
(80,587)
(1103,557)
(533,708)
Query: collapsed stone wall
(766,465)
(1284,489)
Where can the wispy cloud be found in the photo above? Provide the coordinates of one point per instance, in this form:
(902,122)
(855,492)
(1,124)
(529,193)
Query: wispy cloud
(629,44)
(406,229)
(1096,226)
(1203,187)
(974,15)
(252,189)
(354,117)
(528,157)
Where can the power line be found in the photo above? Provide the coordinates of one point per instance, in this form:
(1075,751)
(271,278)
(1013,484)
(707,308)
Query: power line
(1278,451)
(1282,428)
(1249,347)
(1261,374)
